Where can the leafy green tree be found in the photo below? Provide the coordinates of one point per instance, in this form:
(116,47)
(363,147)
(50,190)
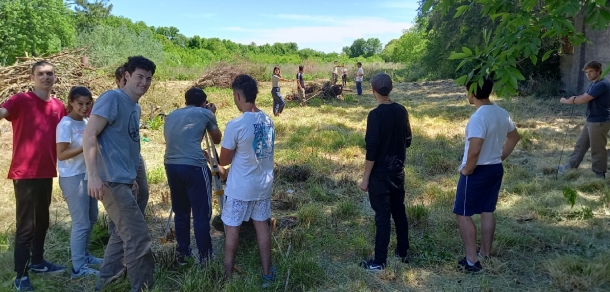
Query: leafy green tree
(88,15)
(34,27)
(357,48)
(110,46)
(372,47)
(522,27)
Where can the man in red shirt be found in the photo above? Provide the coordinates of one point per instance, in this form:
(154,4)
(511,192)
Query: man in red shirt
(34,116)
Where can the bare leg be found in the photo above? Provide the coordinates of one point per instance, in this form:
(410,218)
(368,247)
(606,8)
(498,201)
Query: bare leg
(263,236)
(469,237)
(231,242)
(488,227)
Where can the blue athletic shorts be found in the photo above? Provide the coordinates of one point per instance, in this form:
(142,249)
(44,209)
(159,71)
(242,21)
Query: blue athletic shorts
(478,192)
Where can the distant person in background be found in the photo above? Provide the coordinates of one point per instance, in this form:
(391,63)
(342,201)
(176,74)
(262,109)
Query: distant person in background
(301,85)
(344,77)
(491,137)
(278,100)
(336,67)
(388,135)
(359,77)
(34,116)
(71,165)
(111,146)
(594,133)
(188,175)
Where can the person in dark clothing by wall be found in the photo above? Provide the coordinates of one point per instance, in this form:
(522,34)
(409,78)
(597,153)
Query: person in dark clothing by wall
(388,135)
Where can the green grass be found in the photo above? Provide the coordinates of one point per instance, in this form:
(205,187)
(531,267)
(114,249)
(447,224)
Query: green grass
(541,242)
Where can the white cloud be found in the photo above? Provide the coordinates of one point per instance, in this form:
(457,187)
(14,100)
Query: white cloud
(327,38)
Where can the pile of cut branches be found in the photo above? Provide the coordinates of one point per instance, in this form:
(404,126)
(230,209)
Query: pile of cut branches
(325,90)
(69,69)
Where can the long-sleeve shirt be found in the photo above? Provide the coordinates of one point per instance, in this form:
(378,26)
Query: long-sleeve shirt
(388,135)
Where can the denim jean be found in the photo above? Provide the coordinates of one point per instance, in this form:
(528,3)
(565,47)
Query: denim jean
(191,191)
(359,87)
(33,198)
(278,101)
(83,211)
(387,196)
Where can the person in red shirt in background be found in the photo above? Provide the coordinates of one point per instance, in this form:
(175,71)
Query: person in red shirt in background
(34,117)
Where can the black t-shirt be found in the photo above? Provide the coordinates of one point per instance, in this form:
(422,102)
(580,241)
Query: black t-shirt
(388,135)
(300,79)
(598,109)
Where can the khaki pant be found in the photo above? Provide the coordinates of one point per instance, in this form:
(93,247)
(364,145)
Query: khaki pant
(301,92)
(594,136)
(131,243)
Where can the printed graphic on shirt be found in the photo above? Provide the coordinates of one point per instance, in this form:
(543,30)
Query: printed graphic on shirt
(134,127)
(263,141)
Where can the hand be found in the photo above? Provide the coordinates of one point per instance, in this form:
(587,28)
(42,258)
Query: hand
(465,173)
(364,185)
(95,187)
(211,107)
(136,187)
(207,156)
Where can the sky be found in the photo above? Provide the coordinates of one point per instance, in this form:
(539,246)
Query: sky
(321,25)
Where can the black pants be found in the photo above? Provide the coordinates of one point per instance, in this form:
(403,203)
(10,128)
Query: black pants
(387,196)
(33,198)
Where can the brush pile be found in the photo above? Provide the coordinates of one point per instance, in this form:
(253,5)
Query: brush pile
(222,74)
(325,90)
(69,69)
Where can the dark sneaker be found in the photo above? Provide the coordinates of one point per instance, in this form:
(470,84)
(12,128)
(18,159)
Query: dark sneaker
(371,266)
(600,175)
(24,284)
(404,260)
(47,268)
(485,258)
(183,260)
(269,279)
(464,266)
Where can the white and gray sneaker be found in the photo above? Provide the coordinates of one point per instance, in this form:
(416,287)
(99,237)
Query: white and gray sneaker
(84,272)
(563,168)
(93,261)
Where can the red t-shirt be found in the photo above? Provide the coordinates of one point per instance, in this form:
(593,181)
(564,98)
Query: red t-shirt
(34,123)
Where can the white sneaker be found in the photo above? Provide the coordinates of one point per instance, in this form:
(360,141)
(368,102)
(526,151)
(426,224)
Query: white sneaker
(563,168)
(85,271)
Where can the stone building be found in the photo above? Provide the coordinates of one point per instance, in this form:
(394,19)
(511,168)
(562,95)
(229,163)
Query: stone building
(574,59)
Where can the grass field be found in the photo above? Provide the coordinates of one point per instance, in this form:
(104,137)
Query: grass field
(542,243)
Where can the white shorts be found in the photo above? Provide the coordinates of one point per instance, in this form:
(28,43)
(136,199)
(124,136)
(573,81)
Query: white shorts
(235,211)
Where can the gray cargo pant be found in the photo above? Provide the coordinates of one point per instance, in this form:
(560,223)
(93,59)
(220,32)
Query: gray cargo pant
(594,135)
(130,244)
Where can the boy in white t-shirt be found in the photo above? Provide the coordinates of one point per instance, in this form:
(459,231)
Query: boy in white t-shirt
(359,77)
(248,146)
(491,137)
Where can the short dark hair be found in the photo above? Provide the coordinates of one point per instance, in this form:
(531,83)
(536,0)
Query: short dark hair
(195,96)
(300,67)
(482,92)
(119,73)
(40,64)
(597,66)
(139,62)
(247,85)
(359,63)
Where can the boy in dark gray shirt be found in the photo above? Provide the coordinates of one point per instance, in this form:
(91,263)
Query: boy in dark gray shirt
(188,175)
(594,133)
(111,144)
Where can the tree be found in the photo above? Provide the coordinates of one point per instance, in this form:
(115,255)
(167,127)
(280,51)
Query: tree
(26,26)
(522,27)
(357,48)
(372,47)
(89,15)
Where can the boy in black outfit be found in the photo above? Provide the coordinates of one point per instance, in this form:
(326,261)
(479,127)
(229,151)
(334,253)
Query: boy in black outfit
(388,135)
